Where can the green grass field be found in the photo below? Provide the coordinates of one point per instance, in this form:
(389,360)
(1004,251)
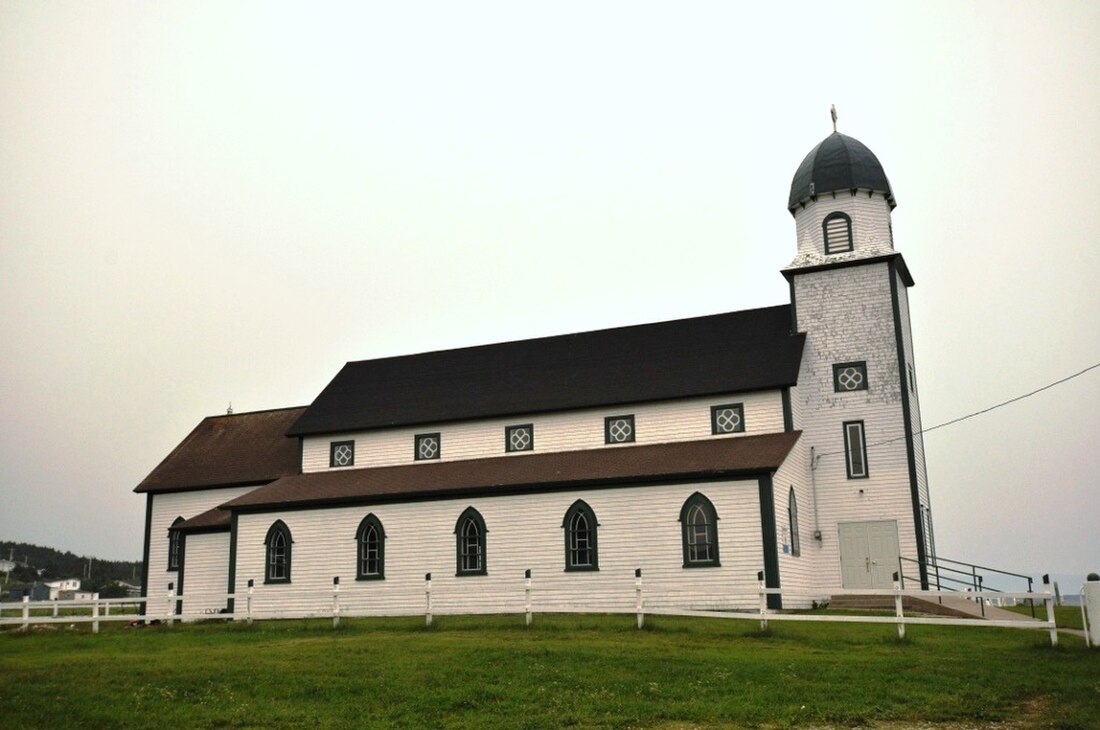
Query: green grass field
(565,671)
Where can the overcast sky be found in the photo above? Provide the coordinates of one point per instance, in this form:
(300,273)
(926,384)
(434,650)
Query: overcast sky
(212,202)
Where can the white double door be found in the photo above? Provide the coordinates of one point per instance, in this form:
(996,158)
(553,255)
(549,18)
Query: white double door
(868,554)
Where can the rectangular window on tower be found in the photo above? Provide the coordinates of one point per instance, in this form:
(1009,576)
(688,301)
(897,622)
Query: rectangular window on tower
(855,450)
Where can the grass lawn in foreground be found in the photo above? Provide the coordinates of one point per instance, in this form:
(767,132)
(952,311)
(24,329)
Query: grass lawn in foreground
(565,671)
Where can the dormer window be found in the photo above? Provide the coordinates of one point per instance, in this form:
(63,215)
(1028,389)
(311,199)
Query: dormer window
(341,453)
(427,446)
(838,233)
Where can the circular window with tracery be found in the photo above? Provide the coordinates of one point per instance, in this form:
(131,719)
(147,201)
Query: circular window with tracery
(851,377)
(620,430)
(427,447)
(728,419)
(521,438)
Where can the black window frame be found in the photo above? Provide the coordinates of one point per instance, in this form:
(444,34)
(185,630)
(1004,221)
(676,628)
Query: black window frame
(278,529)
(368,523)
(844,247)
(714,410)
(174,545)
(471,515)
(862,450)
(608,420)
(699,501)
(839,367)
(420,437)
(792,522)
(580,508)
(509,430)
(333,446)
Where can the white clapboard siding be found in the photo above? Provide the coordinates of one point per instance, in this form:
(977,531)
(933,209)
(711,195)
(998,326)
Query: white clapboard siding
(638,528)
(680,420)
(166,508)
(205,573)
(797,574)
(848,316)
(870,225)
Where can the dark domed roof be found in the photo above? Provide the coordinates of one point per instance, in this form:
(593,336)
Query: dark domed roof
(839,162)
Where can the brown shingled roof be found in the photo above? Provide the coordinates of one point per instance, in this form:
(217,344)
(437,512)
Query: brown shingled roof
(238,449)
(710,458)
(212,520)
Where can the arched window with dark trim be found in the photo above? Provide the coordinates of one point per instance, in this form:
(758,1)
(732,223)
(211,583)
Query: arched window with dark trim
(470,543)
(837,228)
(699,528)
(278,544)
(174,544)
(792,518)
(580,537)
(370,540)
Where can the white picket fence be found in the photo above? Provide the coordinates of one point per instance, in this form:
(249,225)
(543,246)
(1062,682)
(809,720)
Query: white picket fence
(170,607)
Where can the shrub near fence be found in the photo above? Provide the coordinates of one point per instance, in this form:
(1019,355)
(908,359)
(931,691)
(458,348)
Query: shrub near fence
(171,606)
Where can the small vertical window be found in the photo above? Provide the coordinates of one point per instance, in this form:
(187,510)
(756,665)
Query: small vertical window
(470,543)
(174,545)
(580,537)
(855,449)
(618,429)
(278,544)
(341,453)
(792,519)
(519,438)
(699,532)
(371,545)
(729,418)
(912,379)
(427,446)
(849,376)
(838,233)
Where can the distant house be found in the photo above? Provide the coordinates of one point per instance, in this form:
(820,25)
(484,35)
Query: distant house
(6,566)
(36,592)
(57,587)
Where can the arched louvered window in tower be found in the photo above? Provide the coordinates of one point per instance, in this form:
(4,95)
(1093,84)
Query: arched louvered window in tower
(838,232)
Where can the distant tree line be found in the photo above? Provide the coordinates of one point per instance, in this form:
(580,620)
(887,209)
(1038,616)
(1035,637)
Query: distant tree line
(37,563)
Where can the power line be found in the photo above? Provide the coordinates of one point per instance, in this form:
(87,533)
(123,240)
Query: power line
(1048,386)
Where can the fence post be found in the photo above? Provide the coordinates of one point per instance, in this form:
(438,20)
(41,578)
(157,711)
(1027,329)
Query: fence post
(335,601)
(898,607)
(763,601)
(26,613)
(638,597)
(95,613)
(981,595)
(248,602)
(1049,601)
(107,608)
(55,608)
(428,599)
(1031,601)
(170,609)
(527,594)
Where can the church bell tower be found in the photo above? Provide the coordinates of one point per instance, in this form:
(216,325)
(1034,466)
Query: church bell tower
(856,400)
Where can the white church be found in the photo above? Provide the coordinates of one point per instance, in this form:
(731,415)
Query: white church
(782,442)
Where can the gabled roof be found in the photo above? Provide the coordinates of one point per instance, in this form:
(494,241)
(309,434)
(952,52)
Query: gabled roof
(737,351)
(231,450)
(709,459)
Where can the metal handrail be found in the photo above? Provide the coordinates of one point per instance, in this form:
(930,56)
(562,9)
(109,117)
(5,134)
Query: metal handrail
(976,582)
